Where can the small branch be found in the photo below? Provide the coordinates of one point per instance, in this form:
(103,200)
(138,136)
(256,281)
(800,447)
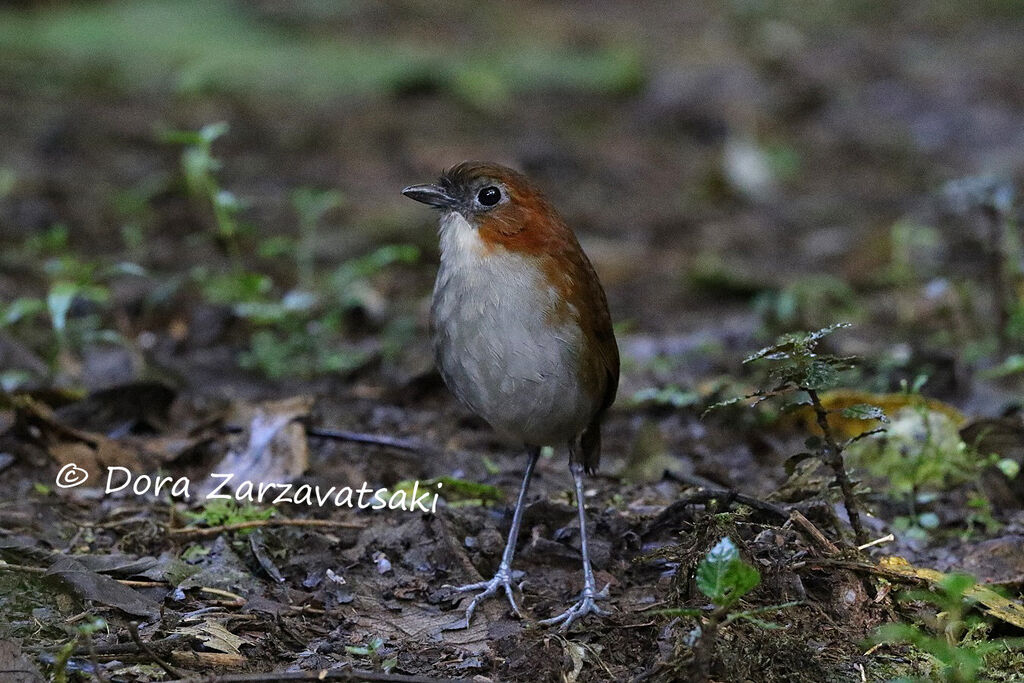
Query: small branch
(373,439)
(204,532)
(706,496)
(834,459)
(813,532)
(133,630)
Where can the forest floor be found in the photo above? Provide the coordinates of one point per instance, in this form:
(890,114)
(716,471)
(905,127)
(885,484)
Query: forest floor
(178,303)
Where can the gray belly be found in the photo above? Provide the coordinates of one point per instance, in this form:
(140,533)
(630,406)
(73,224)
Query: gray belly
(502,358)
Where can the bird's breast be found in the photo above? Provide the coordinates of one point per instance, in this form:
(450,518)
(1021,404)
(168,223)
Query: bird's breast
(503,341)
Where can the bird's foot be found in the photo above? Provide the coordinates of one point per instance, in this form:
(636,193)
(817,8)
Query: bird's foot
(502,579)
(587,604)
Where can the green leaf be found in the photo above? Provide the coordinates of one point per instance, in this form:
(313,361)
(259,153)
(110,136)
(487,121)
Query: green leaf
(722,404)
(1011,366)
(59,301)
(370,264)
(311,204)
(818,375)
(794,344)
(1009,468)
(723,576)
(956,585)
(23,307)
(212,131)
(865,411)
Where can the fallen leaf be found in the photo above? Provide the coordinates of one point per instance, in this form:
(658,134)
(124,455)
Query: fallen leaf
(273,447)
(215,636)
(837,400)
(90,585)
(996,605)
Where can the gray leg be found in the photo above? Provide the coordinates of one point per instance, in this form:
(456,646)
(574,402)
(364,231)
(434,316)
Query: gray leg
(503,577)
(586,603)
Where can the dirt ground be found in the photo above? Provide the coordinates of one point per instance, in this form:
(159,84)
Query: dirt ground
(734,172)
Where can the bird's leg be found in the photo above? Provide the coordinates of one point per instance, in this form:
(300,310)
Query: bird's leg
(587,602)
(503,577)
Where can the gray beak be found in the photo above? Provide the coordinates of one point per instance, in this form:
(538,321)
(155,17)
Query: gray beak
(430,194)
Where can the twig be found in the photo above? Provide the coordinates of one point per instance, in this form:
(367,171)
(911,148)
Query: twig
(708,495)
(133,630)
(878,541)
(821,539)
(361,437)
(203,532)
(234,599)
(141,584)
(834,459)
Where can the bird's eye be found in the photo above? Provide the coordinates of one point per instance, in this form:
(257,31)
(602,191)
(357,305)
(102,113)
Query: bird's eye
(489,196)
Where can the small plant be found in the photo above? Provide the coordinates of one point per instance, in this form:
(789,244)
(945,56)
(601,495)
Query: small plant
(83,632)
(293,332)
(797,367)
(374,651)
(71,308)
(949,633)
(297,335)
(922,453)
(199,168)
(226,512)
(311,205)
(724,578)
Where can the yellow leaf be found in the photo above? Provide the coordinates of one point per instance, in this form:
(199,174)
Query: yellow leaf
(839,399)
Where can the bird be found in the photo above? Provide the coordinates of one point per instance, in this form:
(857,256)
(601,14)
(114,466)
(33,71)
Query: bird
(523,337)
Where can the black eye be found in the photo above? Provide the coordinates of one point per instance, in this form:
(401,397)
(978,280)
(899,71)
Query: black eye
(489,196)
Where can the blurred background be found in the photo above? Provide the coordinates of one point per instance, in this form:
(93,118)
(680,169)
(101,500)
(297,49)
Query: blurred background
(210,189)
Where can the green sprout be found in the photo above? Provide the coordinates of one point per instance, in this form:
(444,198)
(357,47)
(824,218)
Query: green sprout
(724,578)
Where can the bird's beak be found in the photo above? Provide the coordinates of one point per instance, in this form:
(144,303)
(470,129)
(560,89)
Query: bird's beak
(430,194)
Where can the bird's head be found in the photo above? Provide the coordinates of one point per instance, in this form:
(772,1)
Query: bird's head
(501,204)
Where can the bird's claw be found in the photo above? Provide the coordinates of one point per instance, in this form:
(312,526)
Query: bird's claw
(587,604)
(502,579)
